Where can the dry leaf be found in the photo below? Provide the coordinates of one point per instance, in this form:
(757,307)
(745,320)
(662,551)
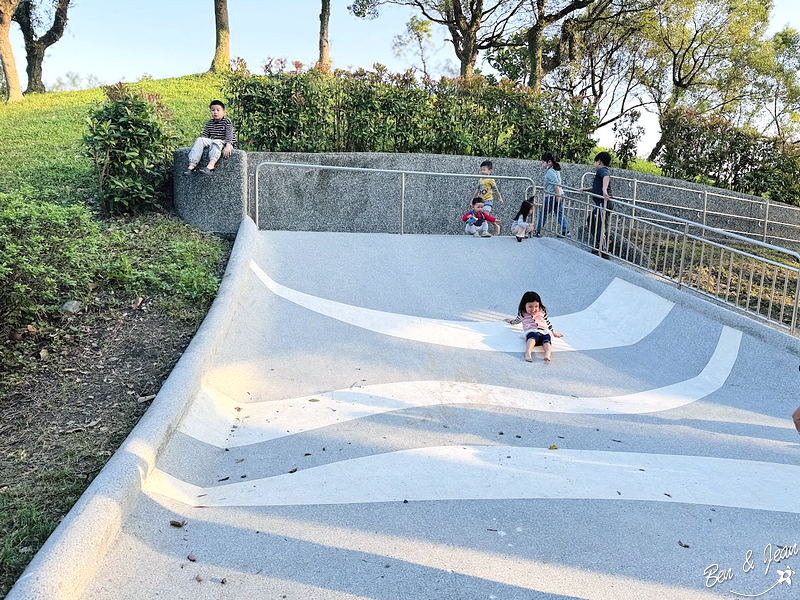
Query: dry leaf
(198,578)
(293,470)
(137,303)
(314,400)
(223,479)
(238,460)
(682,545)
(192,557)
(177,523)
(43,353)
(224,581)
(553,447)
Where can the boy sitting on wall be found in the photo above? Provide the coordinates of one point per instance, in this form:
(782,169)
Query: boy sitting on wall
(218,136)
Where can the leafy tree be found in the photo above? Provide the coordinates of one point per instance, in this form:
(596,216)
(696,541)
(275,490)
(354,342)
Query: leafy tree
(32,15)
(778,88)
(534,35)
(324,48)
(700,50)
(222,49)
(474,25)
(13,89)
(418,37)
(628,134)
(599,61)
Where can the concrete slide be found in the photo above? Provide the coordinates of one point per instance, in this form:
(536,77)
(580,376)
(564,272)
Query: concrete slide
(356,421)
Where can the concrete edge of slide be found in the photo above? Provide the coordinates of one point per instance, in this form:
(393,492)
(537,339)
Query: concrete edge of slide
(68,561)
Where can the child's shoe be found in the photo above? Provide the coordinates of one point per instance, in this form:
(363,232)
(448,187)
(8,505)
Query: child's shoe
(187,172)
(485,234)
(519,239)
(205,171)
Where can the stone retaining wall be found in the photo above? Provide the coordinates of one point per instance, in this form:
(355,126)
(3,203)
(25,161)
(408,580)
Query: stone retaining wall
(308,199)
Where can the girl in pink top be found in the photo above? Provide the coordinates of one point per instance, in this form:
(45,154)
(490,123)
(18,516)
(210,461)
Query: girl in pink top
(535,324)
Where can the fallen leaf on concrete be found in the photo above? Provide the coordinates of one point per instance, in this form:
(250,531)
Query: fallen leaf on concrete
(143,399)
(314,400)
(618,441)
(239,460)
(198,578)
(224,581)
(667,495)
(223,479)
(293,470)
(177,523)
(237,408)
(192,557)
(682,545)
(553,447)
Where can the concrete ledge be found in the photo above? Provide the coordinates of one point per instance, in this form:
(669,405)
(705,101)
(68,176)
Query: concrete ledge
(216,202)
(67,562)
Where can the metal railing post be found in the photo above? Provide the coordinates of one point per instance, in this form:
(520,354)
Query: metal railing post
(705,206)
(793,325)
(402,201)
(635,187)
(766,220)
(683,253)
(256,200)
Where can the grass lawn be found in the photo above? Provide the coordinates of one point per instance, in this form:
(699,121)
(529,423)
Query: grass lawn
(72,387)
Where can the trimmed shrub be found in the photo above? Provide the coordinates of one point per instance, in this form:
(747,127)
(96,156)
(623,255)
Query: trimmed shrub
(131,144)
(377,111)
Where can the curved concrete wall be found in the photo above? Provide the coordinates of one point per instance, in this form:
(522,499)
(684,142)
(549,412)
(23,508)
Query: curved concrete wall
(314,200)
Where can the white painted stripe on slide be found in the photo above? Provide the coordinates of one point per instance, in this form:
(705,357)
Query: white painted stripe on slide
(212,415)
(508,472)
(622,315)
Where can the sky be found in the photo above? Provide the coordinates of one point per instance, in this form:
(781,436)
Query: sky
(123,41)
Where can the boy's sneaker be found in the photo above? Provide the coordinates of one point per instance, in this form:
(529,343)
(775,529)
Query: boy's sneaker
(566,235)
(205,171)
(485,234)
(536,234)
(476,234)
(187,172)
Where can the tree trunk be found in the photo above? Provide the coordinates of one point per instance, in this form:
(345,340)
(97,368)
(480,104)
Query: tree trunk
(35,48)
(222,51)
(656,149)
(534,38)
(324,49)
(7,8)
(35,57)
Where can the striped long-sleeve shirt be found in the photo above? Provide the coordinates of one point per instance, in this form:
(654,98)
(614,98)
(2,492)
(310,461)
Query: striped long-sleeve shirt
(532,322)
(220,130)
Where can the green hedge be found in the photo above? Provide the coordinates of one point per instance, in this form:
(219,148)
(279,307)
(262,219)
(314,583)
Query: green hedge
(711,150)
(377,111)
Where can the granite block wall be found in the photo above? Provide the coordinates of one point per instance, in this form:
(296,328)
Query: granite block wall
(308,199)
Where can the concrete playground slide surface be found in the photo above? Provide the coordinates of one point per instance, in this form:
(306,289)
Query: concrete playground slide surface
(368,429)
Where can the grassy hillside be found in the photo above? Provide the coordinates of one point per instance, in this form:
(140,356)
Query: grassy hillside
(72,386)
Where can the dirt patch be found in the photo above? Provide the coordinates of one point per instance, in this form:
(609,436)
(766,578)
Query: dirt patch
(97,375)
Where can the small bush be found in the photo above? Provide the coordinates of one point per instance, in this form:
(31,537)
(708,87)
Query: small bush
(47,256)
(131,144)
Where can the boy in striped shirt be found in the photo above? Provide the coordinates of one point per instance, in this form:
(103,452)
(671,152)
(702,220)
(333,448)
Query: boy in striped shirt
(218,136)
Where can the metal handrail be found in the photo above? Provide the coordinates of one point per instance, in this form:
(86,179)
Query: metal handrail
(402,174)
(766,204)
(706,268)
